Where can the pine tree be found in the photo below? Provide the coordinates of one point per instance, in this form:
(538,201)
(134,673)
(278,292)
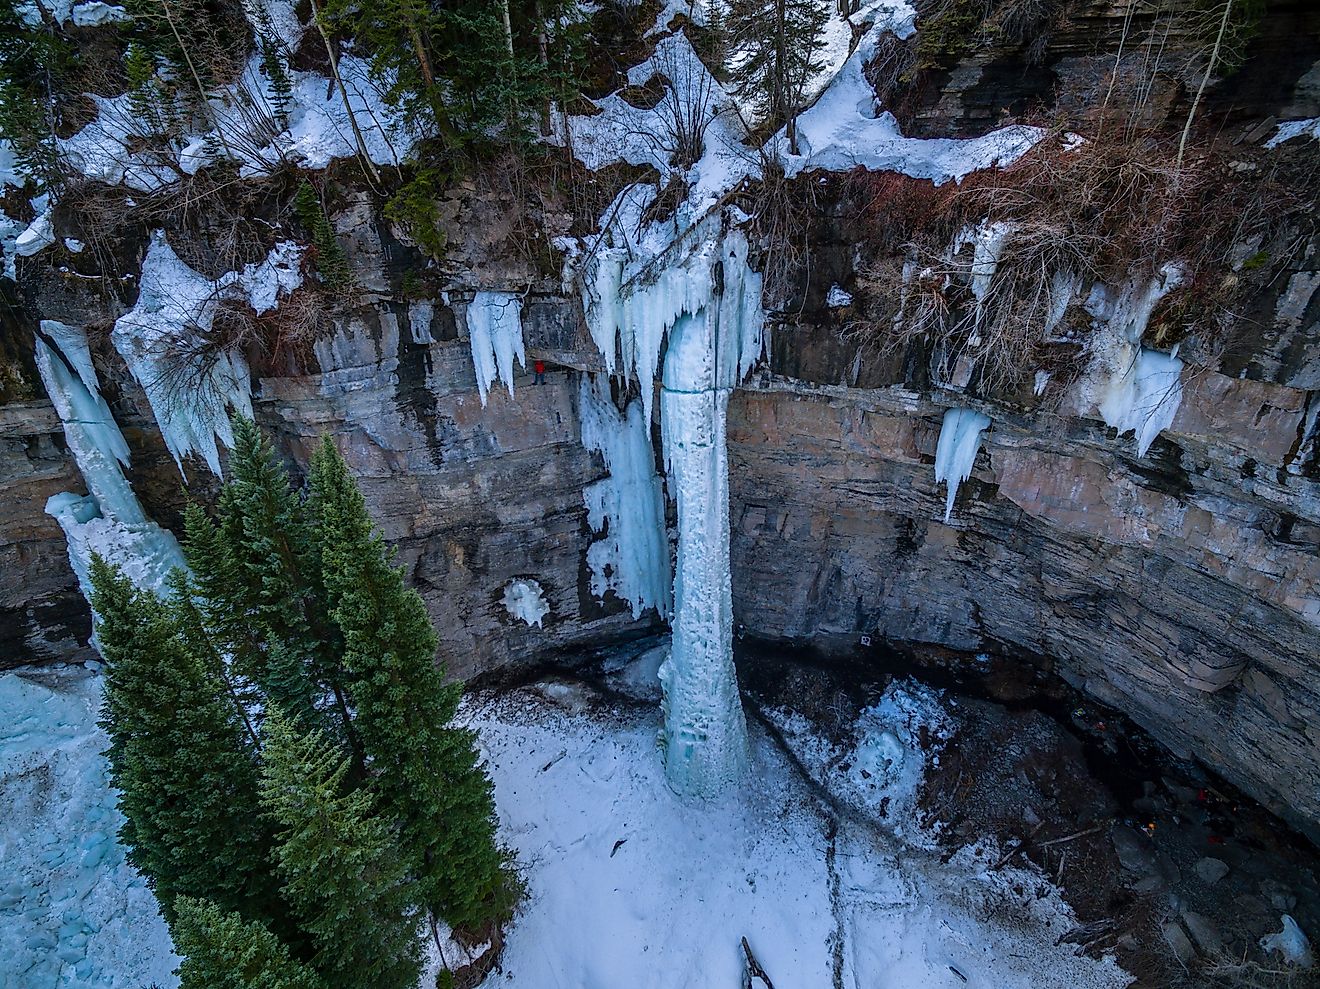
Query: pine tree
(223,951)
(331,261)
(780,46)
(343,874)
(426,771)
(180,758)
(281,86)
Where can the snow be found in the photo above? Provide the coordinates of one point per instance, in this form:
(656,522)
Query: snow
(194,393)
(96,13)
(39,235)
(318,129)
(1291,943)
(955,455)
(626,509)
(494,322)
(838,297)
(629,885)
(1294,128)
(109,520)
(845,129)
(524,599)
(77,915)
(1042,379)
(74,245)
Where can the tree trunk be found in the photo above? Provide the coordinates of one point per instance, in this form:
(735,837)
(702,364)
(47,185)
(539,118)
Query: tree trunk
(201,90)
(1200,90)
(367,164)
(544,57)
(508,27)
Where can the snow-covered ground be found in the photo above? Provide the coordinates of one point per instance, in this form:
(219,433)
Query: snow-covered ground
(628,885)
(631,886)
(73,913)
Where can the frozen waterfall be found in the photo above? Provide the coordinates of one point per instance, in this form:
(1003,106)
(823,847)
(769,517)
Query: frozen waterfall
(109,519)
(707,300)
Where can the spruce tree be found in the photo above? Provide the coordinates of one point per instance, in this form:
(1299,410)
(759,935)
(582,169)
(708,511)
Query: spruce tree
(180,757)
(331,261)
(223,951)
(779,42)
(343,874)
(425,770)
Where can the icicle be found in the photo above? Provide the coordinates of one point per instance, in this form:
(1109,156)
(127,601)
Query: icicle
(632,559)
(109,520)
(955,455)
(1134,388)
(1145,399)
(494,321)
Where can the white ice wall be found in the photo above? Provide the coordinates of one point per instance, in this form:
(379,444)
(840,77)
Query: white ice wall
(627,508)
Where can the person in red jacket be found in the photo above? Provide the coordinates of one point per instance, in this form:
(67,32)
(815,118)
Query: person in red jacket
(539,369)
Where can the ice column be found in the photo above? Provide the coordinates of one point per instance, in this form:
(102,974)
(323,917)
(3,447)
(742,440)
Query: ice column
(960,438)
(710,350)
(109,520)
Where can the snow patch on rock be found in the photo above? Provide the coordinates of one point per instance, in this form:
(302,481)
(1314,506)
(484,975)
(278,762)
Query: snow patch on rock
(524,599)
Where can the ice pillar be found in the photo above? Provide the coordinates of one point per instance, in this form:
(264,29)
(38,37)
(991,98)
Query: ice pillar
(705,732)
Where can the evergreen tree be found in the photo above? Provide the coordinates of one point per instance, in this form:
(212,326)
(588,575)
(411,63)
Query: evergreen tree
(425,770)
(35,61)
(223,951)
(281,86)
(343,874)
(331,261)
(780,46)
(180,758)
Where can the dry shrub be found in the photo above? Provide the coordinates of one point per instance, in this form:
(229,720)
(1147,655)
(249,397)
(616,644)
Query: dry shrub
(1110,209)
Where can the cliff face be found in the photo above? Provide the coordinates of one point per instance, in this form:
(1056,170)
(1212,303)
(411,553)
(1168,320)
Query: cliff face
(1181,586)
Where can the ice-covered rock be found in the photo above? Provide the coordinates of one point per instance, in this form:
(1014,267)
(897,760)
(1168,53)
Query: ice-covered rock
(838,297)
(39,235)
(955,455)
(420,314)
(524,599)
(1291,944)
(76,914)
(97,13)
(193,385)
